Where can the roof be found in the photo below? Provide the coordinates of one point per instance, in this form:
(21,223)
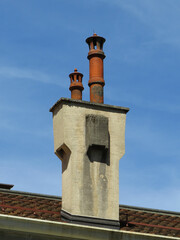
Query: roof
(151,221)
(132,219)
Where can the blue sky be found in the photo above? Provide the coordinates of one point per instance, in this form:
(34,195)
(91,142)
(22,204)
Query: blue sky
(42,41)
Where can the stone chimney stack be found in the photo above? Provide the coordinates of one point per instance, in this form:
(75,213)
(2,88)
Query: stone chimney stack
(89,138)
(96,72)
(76,86)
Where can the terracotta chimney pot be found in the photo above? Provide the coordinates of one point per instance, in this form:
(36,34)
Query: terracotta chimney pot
(96,72)
(76,86)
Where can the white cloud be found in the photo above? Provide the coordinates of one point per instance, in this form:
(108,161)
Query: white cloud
(131,98)
(160,17)
(40,175)
(154,139)
(165,199)
(7,72)
(7,125)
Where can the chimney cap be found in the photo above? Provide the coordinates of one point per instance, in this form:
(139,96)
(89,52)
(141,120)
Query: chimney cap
(76,73)
(95,37)
(6,186)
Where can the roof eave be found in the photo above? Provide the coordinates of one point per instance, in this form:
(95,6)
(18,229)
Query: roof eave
(22,225)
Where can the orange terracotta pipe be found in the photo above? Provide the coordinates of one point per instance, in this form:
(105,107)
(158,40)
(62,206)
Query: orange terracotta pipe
(76,86)
(96,72)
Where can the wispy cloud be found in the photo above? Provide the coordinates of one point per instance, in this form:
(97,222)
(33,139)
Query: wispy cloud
(166,199)
(153,139)
(161,17)
(46,174)
(12,73)
(6,125)
(12,109)
(131,98)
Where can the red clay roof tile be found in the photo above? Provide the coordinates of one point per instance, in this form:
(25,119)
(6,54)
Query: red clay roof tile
(48,208)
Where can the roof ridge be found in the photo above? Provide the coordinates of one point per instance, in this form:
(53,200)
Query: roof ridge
(152,210)
(31,194)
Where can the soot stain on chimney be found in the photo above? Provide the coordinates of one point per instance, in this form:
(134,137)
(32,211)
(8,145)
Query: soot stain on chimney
(86,205)
(95,186)
(102,189)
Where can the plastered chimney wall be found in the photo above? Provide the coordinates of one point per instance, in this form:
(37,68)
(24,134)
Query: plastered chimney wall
(90,187)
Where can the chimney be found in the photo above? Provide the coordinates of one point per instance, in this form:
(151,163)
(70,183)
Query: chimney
(76,86)
(96,72)
(6,186)
(89,139)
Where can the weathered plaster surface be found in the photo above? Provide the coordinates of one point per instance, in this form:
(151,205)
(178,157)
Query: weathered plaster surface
(89,188)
